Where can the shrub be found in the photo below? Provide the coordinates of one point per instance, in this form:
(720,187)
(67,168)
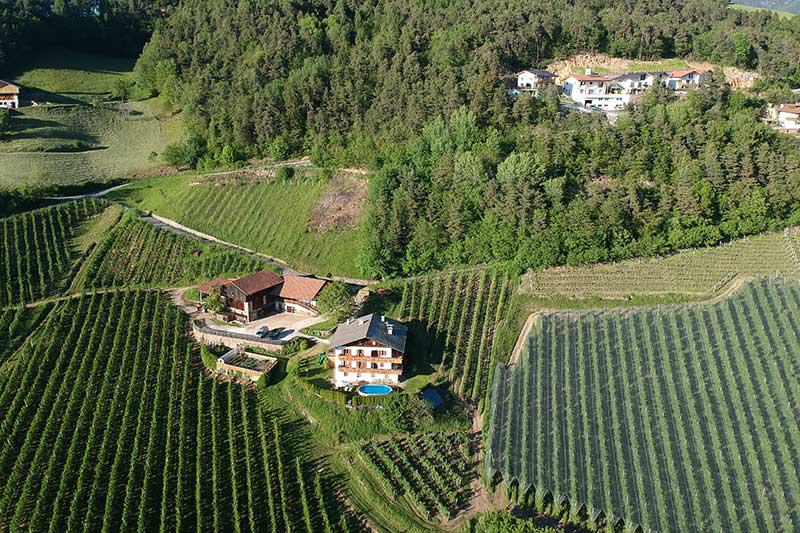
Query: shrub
(208,358)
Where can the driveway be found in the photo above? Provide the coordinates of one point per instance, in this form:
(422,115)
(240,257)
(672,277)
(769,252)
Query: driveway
(292,322)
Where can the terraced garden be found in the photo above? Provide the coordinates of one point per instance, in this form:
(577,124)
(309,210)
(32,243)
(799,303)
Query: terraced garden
(699,273)
(430,472)
(675,417)
(37,257)
(139,254)
(143,441)
(453,317)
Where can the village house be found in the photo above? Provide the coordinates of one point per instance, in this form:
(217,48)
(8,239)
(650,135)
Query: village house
(788,118)
(9,95)
(591,90)
(610,93)
(368,349)
(534,80)
(257,295)
(679,80)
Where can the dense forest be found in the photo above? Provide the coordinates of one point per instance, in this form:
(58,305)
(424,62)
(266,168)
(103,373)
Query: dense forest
(118,27)
(278,77)
(569,190)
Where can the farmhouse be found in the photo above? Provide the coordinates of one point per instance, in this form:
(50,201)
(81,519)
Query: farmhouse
(679,80)
(9,95)
(368,349)
(255,296)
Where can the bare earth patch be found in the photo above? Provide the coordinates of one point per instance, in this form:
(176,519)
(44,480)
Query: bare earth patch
(735,77)
(341,206)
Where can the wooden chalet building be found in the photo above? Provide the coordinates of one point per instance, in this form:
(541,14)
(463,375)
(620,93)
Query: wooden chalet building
(9,95)
(368,349)
(257,295)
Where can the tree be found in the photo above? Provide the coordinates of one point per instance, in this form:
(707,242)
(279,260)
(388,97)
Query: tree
(336,301)
(5,120)
(213,302)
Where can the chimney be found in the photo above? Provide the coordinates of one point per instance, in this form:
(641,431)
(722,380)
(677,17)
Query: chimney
(383,318)
(389,329)
(588,72)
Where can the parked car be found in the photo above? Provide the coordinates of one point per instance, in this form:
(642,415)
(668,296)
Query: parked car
(275,333)
(262,332)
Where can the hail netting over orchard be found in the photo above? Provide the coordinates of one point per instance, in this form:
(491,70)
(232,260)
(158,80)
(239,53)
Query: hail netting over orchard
(677,418)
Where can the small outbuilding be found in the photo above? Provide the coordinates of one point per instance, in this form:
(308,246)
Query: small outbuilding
(9,95)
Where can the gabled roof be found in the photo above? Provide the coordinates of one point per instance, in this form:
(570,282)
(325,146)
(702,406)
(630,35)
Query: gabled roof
(683,73)
(8,88)
(589,77)
(214,283)
(301,288)
(260,281)
(794,109)
(537,72)
(372,327)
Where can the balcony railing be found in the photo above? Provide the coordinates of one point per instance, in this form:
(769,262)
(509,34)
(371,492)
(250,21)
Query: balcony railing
(385,371)
(373,359)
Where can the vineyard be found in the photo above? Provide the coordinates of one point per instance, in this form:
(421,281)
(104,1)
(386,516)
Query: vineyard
(679,418)
(37,257)
(431,471)
(269,217)
(700,272)
(142,440)
(138,254)
(15,325)
(452,317)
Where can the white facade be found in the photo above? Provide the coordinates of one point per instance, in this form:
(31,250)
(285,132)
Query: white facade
(679,80)
(366,364)
(12,102)
(789,120)
(596,91)
(532,81)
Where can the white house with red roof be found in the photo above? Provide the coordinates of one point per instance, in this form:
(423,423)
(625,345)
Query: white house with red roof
(257,295)
(592,90)
(679,80)
(9,95)
(788,118)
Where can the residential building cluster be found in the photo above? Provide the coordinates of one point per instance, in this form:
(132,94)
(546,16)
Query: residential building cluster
(784,117)
(607,93)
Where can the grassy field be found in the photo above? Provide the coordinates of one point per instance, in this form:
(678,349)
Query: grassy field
(782,14)
(76,135)
(269,217)
(672,417)
(699,273)
(143,440)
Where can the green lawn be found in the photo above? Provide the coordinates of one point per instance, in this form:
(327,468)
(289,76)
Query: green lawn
(271,218)
(782,14)
(76,135)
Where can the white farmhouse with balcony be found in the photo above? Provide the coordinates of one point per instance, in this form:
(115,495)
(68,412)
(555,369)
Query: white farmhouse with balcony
(368,349)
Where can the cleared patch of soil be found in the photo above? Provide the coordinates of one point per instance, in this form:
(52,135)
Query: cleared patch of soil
(341,206)
(735,77)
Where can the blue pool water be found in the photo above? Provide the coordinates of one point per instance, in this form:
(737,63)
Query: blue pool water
(374,390)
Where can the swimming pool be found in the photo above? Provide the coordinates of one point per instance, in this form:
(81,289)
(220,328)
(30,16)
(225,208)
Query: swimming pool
(374,390)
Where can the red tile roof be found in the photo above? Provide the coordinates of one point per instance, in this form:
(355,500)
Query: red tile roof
(592,77)
(214,283)
(794,109)
(257,282)
(300,288)
(684,72)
